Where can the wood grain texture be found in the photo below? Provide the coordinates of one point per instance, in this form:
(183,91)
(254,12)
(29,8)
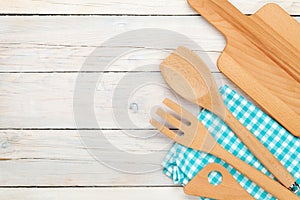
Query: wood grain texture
(45,100)
(60,158)
(241,52)
(146,193)
(158,7)
(39,60)
(36,161)
(92,31)
(271,43)
(229,188)
(65,46)
(46,58)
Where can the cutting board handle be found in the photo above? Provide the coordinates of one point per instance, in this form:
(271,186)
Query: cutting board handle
(216,13)
(224,16)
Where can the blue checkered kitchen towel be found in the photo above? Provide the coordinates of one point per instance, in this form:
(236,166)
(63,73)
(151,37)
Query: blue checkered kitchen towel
(182,164)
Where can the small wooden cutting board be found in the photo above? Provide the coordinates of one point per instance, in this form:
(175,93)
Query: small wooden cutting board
(256,72)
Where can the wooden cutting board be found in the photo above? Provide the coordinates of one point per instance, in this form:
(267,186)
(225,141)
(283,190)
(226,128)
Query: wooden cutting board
(258,70)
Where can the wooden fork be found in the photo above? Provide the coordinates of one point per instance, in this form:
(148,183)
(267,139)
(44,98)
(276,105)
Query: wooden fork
(196,136)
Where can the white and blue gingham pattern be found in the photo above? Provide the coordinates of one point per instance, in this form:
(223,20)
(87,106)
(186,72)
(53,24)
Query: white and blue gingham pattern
(182,164)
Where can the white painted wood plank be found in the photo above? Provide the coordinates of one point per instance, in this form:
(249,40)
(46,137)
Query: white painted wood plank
(72,173)
(36,58)
(92,31)
(42,44)
(59,158)
(161,7)
(174,193)
(45,100)
(35,44)
(68,145)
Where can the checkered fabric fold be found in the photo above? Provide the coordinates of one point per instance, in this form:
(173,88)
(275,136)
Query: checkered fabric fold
(182,164)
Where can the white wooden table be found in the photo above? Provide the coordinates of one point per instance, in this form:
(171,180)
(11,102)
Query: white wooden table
(43,47)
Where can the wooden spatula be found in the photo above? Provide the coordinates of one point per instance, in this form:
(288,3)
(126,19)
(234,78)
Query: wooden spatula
(188,76)
(196,136)
(262,56)
(228,189)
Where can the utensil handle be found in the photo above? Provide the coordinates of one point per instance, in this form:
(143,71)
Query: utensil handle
(259,150)
(268,184)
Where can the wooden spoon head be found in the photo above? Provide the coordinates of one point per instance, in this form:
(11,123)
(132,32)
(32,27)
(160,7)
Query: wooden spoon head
(179,74)
(188,76)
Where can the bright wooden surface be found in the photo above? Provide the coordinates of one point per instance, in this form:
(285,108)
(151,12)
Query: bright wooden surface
(258,57)
(273,44)
(40,56)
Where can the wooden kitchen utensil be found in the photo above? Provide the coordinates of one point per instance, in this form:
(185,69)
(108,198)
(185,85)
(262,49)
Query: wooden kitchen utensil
(188,76)
(262,56)
(228,189)
(196,136)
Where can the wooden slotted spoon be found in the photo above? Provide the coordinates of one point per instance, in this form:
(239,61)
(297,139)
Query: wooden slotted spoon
(187,75)
(228,189)
(196,136)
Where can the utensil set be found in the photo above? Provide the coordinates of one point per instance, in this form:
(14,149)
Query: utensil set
(183,67)
(187,75)
(262,58)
